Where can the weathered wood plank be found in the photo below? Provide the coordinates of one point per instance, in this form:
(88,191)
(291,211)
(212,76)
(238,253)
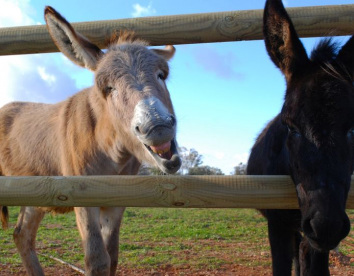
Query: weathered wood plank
(153,191)
(332,20)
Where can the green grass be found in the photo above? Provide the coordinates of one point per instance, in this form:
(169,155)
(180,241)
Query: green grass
(152,237)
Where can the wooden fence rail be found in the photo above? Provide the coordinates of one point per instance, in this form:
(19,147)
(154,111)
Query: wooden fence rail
(184,29)
(153,191)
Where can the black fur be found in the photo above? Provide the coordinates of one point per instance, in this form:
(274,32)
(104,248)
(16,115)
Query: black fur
(312,139)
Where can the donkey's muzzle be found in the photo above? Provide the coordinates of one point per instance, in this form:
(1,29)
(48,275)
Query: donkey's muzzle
(152,123)
(155,127)
(324,231)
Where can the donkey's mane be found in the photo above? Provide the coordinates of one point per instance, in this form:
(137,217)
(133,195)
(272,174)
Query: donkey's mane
(325,51)
(324,54)
(124,36)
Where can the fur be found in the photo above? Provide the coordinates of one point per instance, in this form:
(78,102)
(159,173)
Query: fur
(90,133)
(312,140)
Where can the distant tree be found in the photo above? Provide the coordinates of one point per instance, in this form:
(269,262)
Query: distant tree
(190,159)
(240,169)
(205,170)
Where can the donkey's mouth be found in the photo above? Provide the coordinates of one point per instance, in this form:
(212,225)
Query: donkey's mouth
(166,156)
(322,246)
(164,150)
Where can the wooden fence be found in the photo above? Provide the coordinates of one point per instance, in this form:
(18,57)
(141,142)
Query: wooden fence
(184,29)
(153,191)
(168,191)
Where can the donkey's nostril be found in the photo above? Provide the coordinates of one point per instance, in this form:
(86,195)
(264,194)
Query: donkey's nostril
(137,129)
(308,228)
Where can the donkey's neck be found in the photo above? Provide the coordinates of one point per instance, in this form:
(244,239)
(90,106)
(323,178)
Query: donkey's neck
(93,146)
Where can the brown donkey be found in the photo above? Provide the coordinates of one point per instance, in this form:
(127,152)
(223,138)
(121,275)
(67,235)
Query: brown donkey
(125,118)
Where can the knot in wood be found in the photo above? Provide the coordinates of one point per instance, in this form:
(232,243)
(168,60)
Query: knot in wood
(178,204)
(169,186)
(62,197)
(229,18)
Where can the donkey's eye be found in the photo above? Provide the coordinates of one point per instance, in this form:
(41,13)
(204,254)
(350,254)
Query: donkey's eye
(350,134)
(293,131)
(161,76)
(108,90)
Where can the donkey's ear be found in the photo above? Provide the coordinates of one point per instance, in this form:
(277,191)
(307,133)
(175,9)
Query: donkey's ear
(72,44)
(166,53)
(346,58)
(282,42)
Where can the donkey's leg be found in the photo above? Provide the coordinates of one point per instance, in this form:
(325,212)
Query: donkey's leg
(313,262)
(111,219)
(281,238)
(25,238)
(97,260)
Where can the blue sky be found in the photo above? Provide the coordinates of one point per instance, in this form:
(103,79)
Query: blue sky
(223,93)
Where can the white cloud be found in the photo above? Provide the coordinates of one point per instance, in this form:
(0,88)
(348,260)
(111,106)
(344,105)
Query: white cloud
(10,68)
(14,13)
(13,67)
(140,10)
(36,78)
(220,64)
(49,78)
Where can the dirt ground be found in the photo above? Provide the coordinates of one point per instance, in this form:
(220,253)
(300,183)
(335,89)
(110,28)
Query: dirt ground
(340,266)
